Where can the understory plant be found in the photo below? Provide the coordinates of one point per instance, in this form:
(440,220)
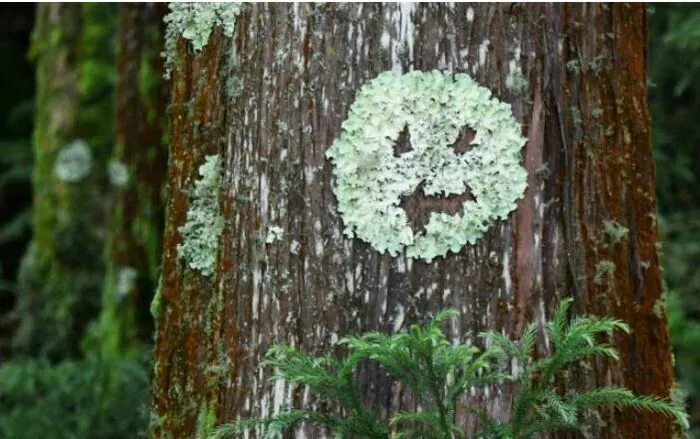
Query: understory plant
(94,398)
(440,373)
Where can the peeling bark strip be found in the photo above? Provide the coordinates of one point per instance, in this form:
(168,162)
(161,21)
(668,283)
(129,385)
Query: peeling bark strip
(271,100)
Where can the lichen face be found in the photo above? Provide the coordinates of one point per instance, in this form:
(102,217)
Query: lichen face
(73,162)
(435,106)
(195,22)
(204,224)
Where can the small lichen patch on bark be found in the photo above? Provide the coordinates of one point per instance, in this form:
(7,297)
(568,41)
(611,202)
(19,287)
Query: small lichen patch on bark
(616,231)
(604,268)
(195,22)
(274,234)
(204,224)
(157,302)
(118,174)
(73,162)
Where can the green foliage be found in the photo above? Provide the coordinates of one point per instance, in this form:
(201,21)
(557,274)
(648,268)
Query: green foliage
(91,398)
(675,104)
(439,373)
(61,274)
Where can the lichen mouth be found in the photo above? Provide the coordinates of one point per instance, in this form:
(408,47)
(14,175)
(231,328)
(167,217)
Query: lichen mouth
(419,206)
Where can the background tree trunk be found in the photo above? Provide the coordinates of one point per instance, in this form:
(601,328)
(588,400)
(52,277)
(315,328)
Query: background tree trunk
(61,275)
(271,111)
(137,173)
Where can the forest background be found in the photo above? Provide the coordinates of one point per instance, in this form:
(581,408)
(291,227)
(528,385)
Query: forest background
(60,373)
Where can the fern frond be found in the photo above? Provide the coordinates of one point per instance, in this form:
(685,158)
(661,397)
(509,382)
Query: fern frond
(562,410)
(557,327)
(393,354)
(275,426)
(619,398)
(425,417)
(438,373)
(315,373)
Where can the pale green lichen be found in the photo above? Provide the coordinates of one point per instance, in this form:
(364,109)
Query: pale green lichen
(274,234)
(604,268)
(73,162)
(118,173)
(616,231)
(574,66)
(435,106)
(516,82)
(126,281)
(204,224)
(157,301)
(195,22)
(660,305)
(294,247)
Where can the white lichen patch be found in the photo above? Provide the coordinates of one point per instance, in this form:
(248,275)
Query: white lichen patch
(73,162)
(204,224)
(118,173)
(274,234)
(603,269)
(195,22)
(126,281)
(483,51)
(435,106)
(294,247)
(516,82)
(470,14)
(616,231)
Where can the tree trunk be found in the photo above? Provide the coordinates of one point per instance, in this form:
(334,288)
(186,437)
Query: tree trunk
(269,102)
(137,173)
(61,275)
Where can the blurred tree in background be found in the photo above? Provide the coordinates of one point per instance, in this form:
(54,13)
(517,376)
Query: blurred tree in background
(79,318)
(674,71)
(137,175)
(76,310)
(62,272)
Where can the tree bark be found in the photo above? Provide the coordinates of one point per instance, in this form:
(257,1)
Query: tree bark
(590,173)
(61,275)
(137,173)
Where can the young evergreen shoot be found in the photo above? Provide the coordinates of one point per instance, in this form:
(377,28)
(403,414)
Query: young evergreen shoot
(439,373)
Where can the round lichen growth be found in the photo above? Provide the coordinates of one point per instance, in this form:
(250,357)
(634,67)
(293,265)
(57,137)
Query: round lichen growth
(204,224)
(435,107)
(118,173)
(126,281)
(73,162)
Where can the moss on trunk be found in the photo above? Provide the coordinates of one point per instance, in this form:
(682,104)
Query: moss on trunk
(136,173)
(61,276)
